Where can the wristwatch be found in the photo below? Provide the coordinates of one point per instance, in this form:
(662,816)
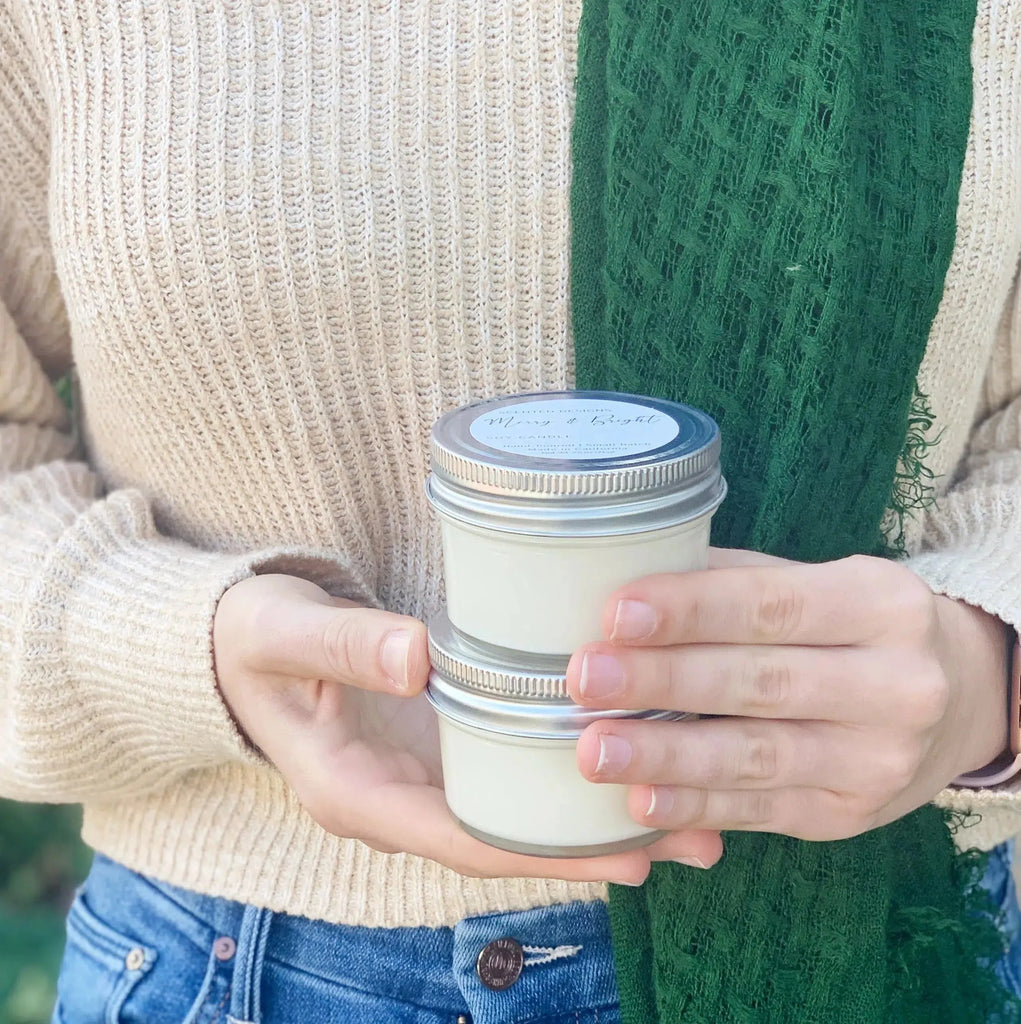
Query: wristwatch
(1008,764)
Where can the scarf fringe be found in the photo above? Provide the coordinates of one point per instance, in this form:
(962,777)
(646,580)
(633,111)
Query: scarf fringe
(914,482)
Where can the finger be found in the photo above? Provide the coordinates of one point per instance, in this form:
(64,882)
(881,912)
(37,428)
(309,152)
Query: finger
(363,647)
(841,684)
(417,820)
(472,857)
(856,600)
(359,794)
(370,795)
(814,814)
(428,829)
(677,846)
(741,753)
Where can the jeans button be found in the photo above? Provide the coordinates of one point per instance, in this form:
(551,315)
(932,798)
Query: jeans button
(499,964)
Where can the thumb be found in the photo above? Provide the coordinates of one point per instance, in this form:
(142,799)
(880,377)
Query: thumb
(313,636)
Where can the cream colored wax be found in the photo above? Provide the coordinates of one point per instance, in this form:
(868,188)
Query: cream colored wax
(546,594)
(522,792)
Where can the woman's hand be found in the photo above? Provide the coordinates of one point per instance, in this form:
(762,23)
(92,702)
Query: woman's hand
(853,694)
(331,693)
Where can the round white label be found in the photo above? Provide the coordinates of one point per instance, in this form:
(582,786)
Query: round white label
(564,428)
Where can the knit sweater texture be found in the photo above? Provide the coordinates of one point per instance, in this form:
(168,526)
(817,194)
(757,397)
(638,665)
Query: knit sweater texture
(277,241)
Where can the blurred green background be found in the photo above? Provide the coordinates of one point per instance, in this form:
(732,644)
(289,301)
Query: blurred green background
(41,862)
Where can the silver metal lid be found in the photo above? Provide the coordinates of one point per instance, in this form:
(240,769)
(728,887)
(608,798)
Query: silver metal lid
(575,463)
(485,668)
(550,720)
(504,691)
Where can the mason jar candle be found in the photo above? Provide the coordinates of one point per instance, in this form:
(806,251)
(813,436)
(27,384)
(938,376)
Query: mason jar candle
(508,733)
(548,502)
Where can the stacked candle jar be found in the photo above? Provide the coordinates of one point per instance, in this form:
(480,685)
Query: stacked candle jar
(548,503)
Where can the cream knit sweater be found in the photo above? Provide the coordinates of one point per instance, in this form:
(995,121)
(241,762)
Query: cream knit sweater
(278,239)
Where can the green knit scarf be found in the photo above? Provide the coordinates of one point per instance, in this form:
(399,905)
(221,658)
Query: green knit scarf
(764,204)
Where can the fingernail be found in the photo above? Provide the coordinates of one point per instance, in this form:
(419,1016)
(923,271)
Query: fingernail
(691,862)
(393,655)
(661,802)
(635,620)
(601,676)
(634,885)
(614,755)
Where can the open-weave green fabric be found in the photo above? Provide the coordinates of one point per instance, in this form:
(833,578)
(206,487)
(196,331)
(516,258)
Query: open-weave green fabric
(764,204)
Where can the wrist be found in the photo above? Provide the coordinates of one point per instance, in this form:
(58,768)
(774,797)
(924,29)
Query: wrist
(974,652)
(1007,765)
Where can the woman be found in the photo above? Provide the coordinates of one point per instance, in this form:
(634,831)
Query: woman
(278,241)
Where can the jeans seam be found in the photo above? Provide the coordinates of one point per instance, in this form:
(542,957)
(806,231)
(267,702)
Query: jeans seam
(223,1003)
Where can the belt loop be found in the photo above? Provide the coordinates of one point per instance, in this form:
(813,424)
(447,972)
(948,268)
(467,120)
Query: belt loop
(252,938)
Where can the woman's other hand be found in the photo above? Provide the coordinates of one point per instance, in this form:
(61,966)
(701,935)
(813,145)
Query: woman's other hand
(851,694)
(331,694)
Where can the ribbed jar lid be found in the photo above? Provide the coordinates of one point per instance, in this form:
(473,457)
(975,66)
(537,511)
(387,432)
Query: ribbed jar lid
(575,462)
(484,668)
(497,690)
(529,719)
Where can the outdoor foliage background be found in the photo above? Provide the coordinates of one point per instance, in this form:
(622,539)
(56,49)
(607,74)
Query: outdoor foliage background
(41,862)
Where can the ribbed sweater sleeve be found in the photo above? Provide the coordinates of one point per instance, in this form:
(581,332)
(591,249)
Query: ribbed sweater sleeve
(972,542)
(967,543)
(971,550)
(107,684)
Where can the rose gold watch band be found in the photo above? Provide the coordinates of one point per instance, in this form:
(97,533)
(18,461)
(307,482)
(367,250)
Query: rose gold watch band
(1008,764)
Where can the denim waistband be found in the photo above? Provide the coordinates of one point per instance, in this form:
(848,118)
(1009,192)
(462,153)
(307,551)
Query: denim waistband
(568,961)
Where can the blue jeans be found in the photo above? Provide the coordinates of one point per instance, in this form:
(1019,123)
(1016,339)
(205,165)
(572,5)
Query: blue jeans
(999,882)
(142,952)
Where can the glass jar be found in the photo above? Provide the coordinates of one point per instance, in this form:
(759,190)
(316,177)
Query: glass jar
(508,732)
(549,502)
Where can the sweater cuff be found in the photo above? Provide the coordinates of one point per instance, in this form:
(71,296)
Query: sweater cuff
(121,693)
(983,818)
(975,553)
(975,557)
